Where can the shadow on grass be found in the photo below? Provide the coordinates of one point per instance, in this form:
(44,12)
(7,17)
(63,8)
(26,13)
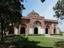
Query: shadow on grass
(59,44)
(19,42)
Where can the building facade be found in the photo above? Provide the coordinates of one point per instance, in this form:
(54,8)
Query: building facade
(36,24)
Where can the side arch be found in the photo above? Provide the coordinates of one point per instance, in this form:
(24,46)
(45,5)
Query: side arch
(23,29)
(46,29)
(35,30)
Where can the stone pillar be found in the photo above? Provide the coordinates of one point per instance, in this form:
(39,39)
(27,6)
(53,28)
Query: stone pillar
(19,29)
(7,33)
(49,31)
(57,30)
(31,31)
(27,30)
(41,30)
(15,31)
(52,29)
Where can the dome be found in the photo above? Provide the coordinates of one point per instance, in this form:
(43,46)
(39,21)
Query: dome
(33,13)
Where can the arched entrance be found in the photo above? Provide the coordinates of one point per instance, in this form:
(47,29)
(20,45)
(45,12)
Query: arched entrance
(11,30)
(22,31)
(54,30)
(35,30)
(37,27)
(46,30)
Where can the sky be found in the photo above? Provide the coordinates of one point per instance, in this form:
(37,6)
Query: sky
(43,9)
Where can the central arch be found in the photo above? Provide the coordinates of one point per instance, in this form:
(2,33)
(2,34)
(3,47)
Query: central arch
(35,30)
(37,27)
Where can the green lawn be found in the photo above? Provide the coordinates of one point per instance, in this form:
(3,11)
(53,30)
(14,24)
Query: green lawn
(44,41)
(31,41)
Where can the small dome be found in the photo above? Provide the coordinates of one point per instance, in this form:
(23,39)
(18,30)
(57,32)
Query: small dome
(33,13)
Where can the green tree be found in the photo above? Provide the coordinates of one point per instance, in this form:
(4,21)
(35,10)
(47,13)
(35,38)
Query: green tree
(10,13)
(59,9)
(42,1)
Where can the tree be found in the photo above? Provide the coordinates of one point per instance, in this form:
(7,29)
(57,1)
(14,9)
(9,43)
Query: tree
(59,9)
(10,13)
(42,1)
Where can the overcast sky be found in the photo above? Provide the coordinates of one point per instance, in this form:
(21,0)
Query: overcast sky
(44,9)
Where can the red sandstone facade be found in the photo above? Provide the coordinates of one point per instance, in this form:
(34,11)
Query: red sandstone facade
(36,24)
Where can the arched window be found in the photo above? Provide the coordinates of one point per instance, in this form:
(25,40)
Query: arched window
(37,23)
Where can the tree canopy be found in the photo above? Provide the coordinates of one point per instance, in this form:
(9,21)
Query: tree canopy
(10,11)
(59,9)
(42,1)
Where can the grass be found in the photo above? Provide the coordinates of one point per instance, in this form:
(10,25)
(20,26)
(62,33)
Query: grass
(41,41)
(44,41)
